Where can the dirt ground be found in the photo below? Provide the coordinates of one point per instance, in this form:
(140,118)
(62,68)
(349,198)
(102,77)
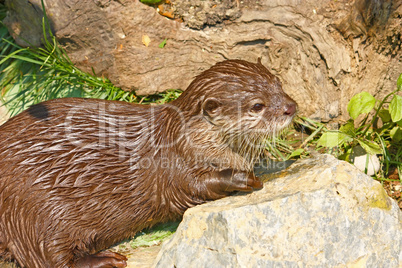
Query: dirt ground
(394,188)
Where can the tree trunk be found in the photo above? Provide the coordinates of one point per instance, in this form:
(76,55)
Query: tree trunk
(323,51)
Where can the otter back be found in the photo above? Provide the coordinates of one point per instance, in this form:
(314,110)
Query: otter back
(79,175)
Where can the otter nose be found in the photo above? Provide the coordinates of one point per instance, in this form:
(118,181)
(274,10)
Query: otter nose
(290,109)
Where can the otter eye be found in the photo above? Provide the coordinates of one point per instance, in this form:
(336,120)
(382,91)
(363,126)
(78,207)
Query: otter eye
(257,107)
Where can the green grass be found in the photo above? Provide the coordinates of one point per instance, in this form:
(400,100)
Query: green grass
(154,236)
(32,75)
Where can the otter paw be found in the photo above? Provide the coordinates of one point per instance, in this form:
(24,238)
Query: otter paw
(241,181)
(251,183)
(104,259)
(255,183)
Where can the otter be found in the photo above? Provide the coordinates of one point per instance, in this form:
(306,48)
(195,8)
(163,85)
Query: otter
(79,175)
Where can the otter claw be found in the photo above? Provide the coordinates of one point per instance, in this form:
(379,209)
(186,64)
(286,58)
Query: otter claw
(104,259)
(256,183)
(239,181)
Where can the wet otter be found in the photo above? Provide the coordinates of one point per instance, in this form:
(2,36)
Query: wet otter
(79,175)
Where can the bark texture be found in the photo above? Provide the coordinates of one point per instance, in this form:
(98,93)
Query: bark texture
(323,51)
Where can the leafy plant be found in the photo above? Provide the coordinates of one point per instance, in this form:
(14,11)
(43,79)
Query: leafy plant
(372,137)
(163,43)
(378,133)
(151,2)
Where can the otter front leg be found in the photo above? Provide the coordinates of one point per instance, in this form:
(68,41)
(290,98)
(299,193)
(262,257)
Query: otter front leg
(104,259)
(222,183)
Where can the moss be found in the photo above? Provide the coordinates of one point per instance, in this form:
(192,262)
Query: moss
(379,199)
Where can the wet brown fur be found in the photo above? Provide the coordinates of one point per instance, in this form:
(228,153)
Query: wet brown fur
(79,175)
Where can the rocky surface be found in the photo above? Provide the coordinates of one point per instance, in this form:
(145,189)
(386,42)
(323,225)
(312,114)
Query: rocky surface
(197,14)
(365,162)
(140,257)
(320,212)
(323,51)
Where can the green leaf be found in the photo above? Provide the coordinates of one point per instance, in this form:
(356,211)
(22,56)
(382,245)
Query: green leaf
(348,128)
(396,134)
(395,108)
(150,2)
(346,155)
(333,139)
(370,147)
(385,115)
(399,82)
(296,152)
(154,236)
(162,45)
(361,103)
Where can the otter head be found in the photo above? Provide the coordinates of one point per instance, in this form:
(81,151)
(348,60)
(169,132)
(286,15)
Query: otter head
(242,101)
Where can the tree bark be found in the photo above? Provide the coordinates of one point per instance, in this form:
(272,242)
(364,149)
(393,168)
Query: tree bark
(323,51)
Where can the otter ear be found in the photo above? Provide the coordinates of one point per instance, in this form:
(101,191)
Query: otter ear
(211,107)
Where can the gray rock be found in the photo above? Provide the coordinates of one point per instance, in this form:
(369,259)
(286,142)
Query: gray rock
(361,159)
(320,212)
